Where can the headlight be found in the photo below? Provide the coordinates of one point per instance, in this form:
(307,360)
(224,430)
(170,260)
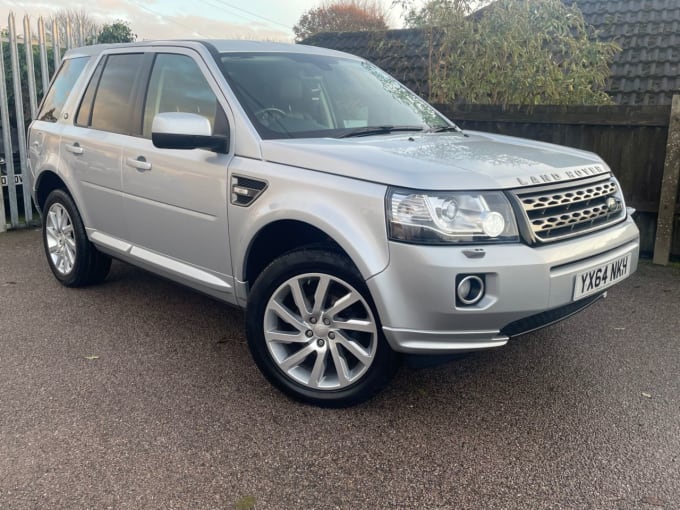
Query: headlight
(447,217)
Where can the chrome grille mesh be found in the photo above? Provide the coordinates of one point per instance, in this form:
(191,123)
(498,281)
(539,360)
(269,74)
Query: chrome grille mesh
(568,197)
(562,211)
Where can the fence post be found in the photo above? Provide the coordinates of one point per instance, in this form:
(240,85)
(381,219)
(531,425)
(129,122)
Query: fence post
(7,139)
(30,70)
(44,67)
(3,222)
(56,41)
(81,33)
(69,34)
(21,124)
(669,188)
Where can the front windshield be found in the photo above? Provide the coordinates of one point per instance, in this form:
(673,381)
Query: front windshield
(293,95)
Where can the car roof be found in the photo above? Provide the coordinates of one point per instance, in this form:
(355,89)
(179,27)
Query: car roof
(222,46)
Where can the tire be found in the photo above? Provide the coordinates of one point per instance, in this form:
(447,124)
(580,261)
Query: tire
(324,344)
(73,259)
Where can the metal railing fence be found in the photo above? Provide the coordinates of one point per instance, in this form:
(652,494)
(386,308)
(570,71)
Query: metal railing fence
(20,95)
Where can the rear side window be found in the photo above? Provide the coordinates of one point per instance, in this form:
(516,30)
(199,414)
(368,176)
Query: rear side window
(108,101)
(84,116)
(56,97)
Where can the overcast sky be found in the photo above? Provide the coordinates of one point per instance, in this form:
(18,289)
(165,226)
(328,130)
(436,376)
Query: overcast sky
(153,19)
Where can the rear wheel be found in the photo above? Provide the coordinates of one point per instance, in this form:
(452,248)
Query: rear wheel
(314,332)
(73,259)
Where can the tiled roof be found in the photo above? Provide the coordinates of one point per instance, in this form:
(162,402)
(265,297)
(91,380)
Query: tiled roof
(402,53)
(647,71)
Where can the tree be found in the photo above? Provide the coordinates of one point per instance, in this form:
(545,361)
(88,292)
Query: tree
(513,52)
(342,16)
(78,22)
(435,13)
(118,32)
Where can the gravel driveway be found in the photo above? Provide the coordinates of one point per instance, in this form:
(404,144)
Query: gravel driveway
(141,394)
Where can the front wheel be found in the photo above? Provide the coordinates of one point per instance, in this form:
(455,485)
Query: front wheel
(314,332)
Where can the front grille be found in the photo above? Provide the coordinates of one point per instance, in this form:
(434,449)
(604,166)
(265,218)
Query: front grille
(561,211)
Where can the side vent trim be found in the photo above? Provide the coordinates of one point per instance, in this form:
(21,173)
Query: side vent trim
(245,190)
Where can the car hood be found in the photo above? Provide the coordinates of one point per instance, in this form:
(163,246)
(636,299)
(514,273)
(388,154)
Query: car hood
(438,161)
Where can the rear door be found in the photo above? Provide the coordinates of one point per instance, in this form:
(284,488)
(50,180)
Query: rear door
(91,146)
(176,200)
(44,134)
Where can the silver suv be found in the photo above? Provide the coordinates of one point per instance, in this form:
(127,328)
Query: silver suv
(351,220)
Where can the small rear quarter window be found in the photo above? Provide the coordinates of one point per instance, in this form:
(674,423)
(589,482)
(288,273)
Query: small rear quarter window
(61,87)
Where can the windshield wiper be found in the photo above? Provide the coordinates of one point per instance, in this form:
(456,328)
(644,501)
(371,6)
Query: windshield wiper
(444,129)
(378,130)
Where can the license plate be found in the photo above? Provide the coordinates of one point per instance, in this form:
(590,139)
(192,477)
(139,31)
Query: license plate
(594,280)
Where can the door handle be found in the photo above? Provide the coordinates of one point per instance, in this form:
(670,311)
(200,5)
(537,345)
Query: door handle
(75,148)
(140,163)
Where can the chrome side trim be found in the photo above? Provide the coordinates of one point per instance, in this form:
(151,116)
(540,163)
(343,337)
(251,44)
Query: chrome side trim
(114,245)
(181,268)
(108,241)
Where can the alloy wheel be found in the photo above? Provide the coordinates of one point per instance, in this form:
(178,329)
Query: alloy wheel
(320,331)
(60,238)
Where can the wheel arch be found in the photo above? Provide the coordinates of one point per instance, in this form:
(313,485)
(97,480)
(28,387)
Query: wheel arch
(279,237)
(274,238)
(48,181)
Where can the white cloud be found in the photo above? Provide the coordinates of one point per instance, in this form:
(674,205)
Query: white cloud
(155,19)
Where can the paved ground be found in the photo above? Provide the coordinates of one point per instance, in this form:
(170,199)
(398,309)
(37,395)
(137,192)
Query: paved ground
(141,394)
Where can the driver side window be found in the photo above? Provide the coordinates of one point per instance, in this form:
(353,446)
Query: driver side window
(178,85)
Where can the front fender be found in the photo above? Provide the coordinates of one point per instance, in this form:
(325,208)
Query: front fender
(349,211)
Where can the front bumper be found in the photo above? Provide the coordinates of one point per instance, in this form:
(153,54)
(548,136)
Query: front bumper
(526,288)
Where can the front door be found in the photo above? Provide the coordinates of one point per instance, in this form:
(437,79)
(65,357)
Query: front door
(176,200)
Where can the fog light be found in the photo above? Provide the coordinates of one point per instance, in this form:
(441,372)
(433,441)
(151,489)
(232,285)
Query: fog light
(470,290)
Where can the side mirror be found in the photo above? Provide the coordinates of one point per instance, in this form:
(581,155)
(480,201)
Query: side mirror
(179,130)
